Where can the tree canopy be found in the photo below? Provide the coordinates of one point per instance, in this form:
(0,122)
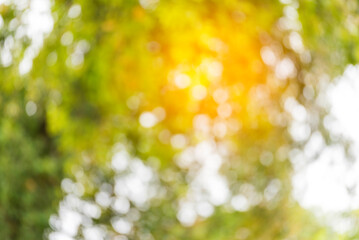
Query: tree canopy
(162,119)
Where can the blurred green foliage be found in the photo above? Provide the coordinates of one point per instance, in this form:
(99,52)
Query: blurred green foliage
(103,66)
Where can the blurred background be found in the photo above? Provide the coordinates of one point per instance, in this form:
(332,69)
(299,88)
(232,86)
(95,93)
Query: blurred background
(191,119)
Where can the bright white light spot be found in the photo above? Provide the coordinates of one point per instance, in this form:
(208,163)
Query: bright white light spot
(1,22)
(299,128)
(199,92)
(74,11)
(268,56)
(148,119)
(25,66)
(290,12)
(103,199)
(182,80)
(240,203)
(66,185)
(77,58)
(220,95)
(204,209)
(285,69)
(201,122)
(299,131)
(272,189)
(133,102)
(296,43)
(215,69)
(82,47)
(6,57)
(314,145)
(67,38)
(178,141)
(39,5)
(120,160)
(121,226)
(145,173)
(148,4)
(70,221)
(31,108)
(93,233)
(186,158)
(55,222)
(160,113)
(216,186)
(91,210)
(59,236)
(121,205)
(266,158)
(9,42)
(297,111)
(187,214)
(212,68)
